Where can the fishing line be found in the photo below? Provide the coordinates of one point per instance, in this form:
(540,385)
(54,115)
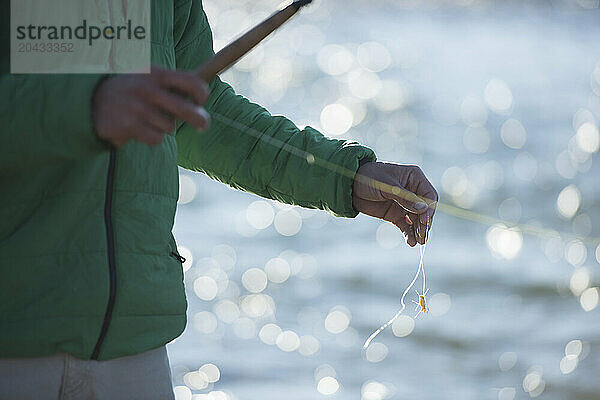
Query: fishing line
(420,270)
(446,208)
(227,56)
(422,254)
(422,251)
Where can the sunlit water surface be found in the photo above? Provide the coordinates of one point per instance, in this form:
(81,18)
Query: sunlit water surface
(499,108)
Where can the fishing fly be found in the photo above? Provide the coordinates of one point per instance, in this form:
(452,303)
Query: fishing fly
(421,304)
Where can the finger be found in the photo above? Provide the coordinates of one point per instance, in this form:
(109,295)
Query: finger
(145,133)
(418,183)
(398,216)
(389,211)
(155,118)
(178,107)
(184,82)
(375,209)
(407,199)
(409,235)
(426,219)
(420,229)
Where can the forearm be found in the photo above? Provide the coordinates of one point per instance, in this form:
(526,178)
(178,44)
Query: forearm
(251,150)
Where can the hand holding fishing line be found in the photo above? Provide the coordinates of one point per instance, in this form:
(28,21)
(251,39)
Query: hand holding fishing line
(400,194)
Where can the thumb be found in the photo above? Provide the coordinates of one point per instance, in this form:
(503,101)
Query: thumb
(407,199)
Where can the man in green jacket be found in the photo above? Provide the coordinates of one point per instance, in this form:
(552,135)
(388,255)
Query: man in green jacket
(91,286)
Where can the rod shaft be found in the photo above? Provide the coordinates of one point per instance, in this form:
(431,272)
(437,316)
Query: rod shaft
(241,46)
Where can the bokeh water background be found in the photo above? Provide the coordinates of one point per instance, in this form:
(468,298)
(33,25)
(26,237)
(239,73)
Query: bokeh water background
(498,103)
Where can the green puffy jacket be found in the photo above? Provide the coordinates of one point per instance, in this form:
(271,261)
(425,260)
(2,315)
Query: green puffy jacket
(88,262)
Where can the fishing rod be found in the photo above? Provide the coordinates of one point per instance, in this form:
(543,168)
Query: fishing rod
(231,53)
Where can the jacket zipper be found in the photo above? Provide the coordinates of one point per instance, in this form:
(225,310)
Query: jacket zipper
(177,257)
(110,240)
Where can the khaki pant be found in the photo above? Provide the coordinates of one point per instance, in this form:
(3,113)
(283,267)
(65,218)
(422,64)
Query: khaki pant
(63,377)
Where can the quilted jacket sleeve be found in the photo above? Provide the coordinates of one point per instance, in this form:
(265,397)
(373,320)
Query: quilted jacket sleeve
(249,149)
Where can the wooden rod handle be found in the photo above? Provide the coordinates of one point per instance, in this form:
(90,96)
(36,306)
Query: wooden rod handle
(241,46)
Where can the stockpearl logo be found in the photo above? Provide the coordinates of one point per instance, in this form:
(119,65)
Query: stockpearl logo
(80,36)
